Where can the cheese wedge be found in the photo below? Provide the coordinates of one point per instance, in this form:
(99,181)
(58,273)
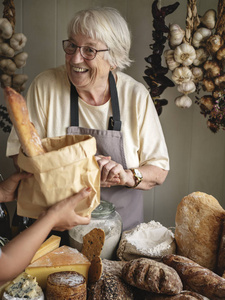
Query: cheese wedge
(49,245)
(61,259)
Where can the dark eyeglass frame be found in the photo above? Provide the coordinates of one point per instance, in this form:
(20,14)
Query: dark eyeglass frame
(95,51)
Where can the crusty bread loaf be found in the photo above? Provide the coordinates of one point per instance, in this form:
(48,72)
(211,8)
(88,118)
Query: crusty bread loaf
(196,277)
(199,220)
(18,112)
(110,286)
(67,285)
(152,276)
(184,295)
(221,254)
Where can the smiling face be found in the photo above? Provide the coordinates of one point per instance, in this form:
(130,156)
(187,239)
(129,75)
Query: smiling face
(87,74)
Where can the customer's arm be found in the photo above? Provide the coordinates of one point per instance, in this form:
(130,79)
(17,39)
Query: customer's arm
(17,254)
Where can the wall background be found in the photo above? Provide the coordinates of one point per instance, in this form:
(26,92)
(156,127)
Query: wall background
(197,156)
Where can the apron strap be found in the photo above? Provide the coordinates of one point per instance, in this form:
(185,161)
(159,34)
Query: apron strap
(114,121)
(74,112)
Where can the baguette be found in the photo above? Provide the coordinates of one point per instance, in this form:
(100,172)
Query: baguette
(196,277)
(18,113)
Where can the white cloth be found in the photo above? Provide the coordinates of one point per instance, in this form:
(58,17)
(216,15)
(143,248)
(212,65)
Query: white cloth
(48,101)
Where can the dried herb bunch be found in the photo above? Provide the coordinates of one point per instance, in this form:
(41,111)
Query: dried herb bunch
(155,75)
(5,122)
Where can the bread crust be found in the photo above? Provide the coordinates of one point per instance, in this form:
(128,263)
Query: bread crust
(18,112)
(152,276)
(199,221)
(66,285)
(197,278)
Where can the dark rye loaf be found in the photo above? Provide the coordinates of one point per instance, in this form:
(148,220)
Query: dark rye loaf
(196,277)
(184,295)
(152,276)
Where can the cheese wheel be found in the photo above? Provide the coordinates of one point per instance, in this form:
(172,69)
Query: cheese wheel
(18,113)
(67,285)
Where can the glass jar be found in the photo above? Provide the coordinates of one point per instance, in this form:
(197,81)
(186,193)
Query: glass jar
(108,219)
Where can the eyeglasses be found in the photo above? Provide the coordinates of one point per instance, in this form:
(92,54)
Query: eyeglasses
(86,51)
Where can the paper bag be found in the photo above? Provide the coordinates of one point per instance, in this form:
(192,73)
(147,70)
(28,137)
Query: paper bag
(67,166)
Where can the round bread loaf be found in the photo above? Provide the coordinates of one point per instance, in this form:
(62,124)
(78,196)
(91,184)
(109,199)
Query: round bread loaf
(199,222)
(67,285)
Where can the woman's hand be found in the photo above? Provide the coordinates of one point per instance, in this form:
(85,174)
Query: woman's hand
(62,215)
(112,173)
(9,186)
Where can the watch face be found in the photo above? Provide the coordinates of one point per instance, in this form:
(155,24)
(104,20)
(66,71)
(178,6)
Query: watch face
(138,173)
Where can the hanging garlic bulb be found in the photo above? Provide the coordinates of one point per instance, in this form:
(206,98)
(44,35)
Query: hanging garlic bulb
(197,74)
(176,35)
(169,58)
(212,68)
(184,54)
(208,85)
(209,19)
(200,36)
(214,43)
(220,81)
(206,103)
(201,56)
(183,101)
(181,74)
(186,87)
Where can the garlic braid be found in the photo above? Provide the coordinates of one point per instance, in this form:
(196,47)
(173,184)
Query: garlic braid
(9,12)
(192,21)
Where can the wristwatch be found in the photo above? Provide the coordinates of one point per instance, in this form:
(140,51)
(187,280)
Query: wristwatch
(137,176)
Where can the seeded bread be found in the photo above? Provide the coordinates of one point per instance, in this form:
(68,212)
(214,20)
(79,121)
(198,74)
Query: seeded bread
(108,287)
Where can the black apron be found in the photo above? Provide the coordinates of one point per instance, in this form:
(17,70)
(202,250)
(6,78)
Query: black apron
(128,202)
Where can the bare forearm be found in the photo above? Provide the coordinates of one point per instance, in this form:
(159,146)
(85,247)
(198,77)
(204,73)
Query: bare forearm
(152,176)
(17,254)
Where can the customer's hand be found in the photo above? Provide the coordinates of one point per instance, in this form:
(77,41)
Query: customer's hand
(8,187)
(62,215)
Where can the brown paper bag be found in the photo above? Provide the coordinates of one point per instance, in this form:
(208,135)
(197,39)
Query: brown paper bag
(68,166)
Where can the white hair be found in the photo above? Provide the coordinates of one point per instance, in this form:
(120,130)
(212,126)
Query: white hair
(108,26)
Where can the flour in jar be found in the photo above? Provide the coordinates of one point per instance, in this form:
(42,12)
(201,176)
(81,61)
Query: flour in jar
(112,236)
(151,239)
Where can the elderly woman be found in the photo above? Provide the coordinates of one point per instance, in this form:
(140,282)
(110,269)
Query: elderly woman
(90,95)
